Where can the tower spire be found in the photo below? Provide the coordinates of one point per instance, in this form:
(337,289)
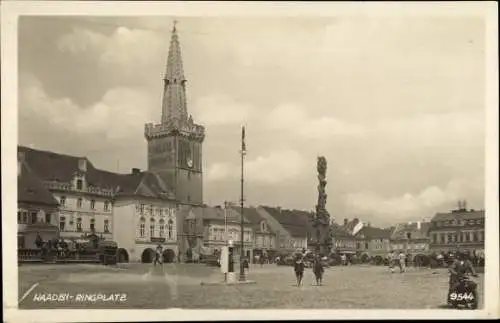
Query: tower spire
(174,105)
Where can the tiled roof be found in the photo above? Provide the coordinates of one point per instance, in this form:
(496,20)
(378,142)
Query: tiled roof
(374,233)
(217,213)
(351,224)
(401,230)
(464,215)
(51,166)
(339,231)
(31,190)
(297,223)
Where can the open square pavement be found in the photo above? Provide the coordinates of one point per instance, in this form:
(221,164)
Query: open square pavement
(179,285)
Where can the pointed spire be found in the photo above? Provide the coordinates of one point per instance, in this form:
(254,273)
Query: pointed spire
(174,93)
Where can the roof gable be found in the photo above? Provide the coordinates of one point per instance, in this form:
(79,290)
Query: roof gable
(50,166)
(30,189)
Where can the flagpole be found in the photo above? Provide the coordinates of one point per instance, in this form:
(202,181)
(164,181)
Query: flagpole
(243,151)
(225,220)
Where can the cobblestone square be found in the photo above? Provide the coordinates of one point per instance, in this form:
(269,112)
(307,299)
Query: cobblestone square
(179,285)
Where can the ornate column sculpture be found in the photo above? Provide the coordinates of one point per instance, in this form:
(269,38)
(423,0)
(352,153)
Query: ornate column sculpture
(321,221)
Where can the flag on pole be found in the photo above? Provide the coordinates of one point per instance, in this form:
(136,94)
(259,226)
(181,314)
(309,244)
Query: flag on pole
(243,146)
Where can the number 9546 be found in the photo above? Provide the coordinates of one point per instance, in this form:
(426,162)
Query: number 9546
(460,297)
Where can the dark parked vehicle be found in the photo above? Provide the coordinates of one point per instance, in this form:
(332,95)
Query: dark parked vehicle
(108,252)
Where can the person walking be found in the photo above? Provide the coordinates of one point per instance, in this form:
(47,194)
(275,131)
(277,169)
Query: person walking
(402,262)
(158,255)
(318,270)
(299,270)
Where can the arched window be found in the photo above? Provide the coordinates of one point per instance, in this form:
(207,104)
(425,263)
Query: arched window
(142,227)
(152,227)
(170,229)
(106,225)
(162,227)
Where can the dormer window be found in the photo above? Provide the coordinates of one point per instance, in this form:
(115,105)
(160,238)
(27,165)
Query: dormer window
(79,184)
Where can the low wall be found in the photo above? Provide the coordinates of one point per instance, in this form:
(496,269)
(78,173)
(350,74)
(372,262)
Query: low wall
(56,256)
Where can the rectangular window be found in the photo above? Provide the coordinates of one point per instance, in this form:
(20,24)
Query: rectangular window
(48,217)
(142,209)
(25,217)
(79,224)
(137,208)
(62,223)
(106,206)
(79,184)
(19,217)
(92,204)
(106,225)
(467,236)
(62,201)
(33,217)
(474,236)
(443,238)
(142,230)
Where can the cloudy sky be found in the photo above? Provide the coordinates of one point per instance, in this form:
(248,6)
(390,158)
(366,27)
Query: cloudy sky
(396,105)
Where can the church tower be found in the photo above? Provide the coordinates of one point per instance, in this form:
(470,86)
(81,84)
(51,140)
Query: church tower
(175,144)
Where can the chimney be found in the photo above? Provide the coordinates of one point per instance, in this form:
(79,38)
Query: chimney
(82,164)
(136,170)
(346,221)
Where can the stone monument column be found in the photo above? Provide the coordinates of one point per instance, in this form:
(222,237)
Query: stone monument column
(321,223)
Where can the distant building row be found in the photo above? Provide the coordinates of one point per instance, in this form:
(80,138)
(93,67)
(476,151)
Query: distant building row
(69,195)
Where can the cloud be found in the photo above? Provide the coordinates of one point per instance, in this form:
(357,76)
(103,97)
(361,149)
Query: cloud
(292,117)
(276,167)
(455,129)
(82,40)
(120,114)
(219,109)
(127,52)
(417,206)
